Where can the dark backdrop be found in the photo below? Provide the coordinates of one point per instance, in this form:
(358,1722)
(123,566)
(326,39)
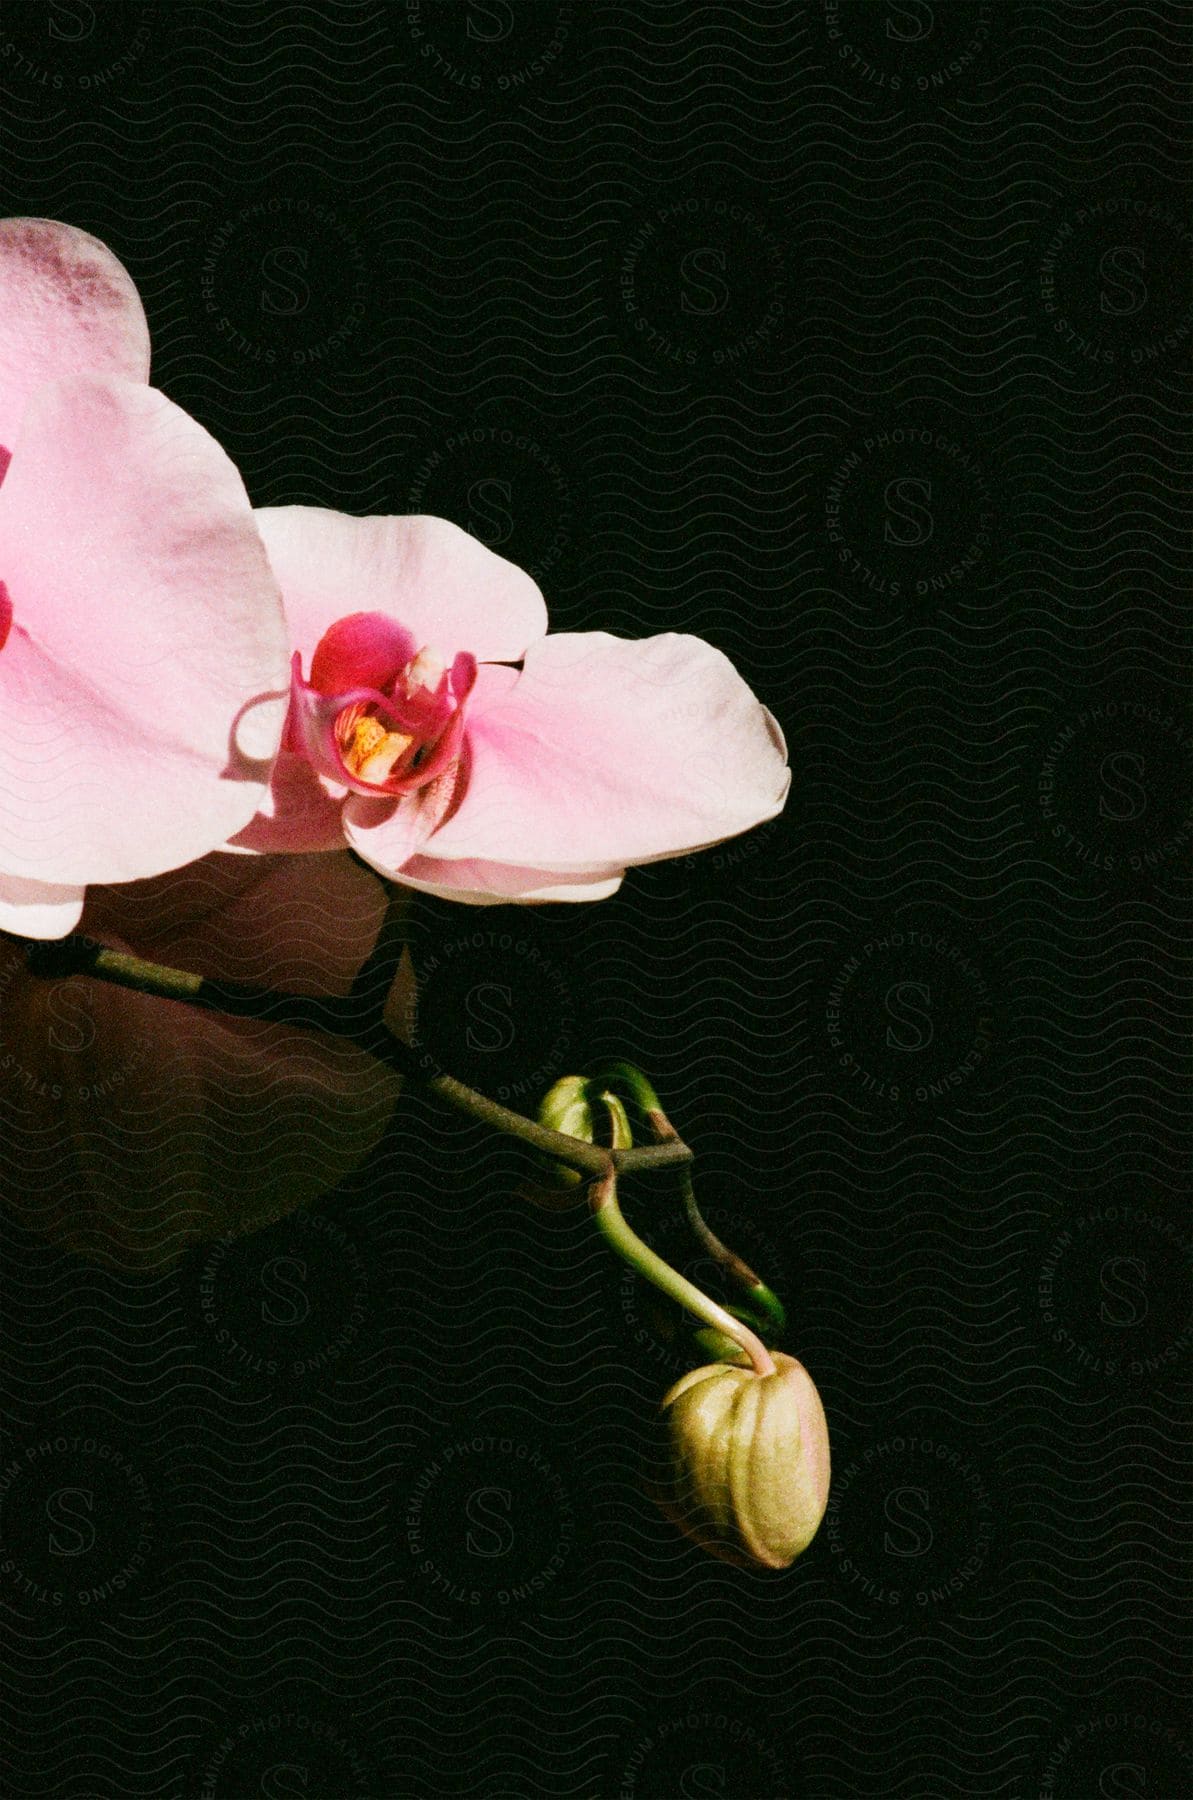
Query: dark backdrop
(850,337)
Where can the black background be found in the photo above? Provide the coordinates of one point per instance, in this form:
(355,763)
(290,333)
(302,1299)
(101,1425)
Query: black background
(850,337)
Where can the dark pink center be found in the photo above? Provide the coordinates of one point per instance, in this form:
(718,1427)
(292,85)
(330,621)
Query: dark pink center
(379,714)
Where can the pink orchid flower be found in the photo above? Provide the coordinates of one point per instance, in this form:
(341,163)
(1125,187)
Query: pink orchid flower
(142,645)
(438,730)
(134,1128)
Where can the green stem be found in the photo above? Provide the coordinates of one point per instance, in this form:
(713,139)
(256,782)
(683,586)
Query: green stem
(730,1261)
(55,959)
(625,1076)
(602,1198)
(342,1016)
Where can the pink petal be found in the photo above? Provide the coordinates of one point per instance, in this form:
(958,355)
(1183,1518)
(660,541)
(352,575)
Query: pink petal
(143,684)
(67,307)
(446,589)
(387,832)
(298,813)
(497,884)
(605,752)
(38,909)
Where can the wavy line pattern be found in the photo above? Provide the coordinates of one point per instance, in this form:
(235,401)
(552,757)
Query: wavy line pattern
(852,336)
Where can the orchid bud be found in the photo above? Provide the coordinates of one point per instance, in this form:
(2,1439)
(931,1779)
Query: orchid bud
(746,1470)
(569,1107)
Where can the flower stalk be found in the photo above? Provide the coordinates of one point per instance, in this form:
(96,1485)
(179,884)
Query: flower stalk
(54,959)
(611,1223)
(630,1080)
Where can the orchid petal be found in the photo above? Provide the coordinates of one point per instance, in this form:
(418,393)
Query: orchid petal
(38,909)
(609,752)
(497,884)
(301,812)
(433,580)
(143,682)
(67,307)
(386,832)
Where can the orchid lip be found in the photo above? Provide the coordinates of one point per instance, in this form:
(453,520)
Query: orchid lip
(379,744)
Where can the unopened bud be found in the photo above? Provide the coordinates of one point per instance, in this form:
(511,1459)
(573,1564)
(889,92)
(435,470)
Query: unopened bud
(746,1465)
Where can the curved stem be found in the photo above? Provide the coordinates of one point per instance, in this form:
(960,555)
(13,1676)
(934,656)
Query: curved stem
(625,1075)
(734,1265)
(57,958)
(602,1198)
(342,1017)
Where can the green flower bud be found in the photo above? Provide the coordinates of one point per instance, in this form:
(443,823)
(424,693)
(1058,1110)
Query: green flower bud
(568,1107)
(746,1461)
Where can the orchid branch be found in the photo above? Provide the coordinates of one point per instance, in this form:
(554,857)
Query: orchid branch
(611,1223)
(342,1016)
(627,1077)
(56,959)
